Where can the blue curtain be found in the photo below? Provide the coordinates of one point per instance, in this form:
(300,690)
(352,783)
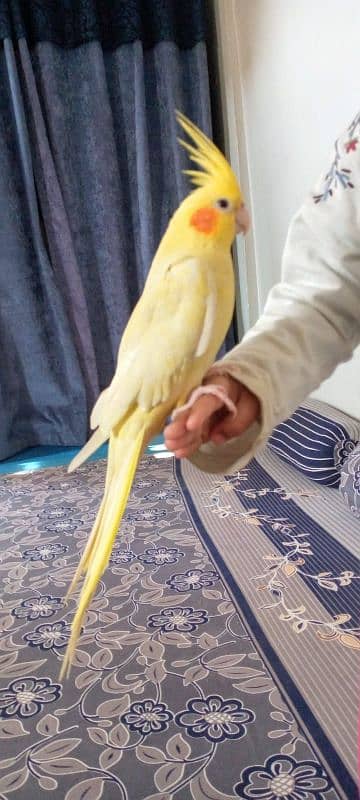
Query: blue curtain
(90,171)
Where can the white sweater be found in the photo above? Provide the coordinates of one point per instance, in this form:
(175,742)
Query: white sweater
(311,320)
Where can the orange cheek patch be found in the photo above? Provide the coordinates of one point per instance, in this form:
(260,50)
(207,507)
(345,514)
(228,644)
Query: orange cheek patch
(205,220)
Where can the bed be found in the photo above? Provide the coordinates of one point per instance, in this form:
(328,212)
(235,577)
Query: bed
(220,656)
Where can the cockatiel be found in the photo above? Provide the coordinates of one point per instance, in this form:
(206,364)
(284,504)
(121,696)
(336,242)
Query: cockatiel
(171,340)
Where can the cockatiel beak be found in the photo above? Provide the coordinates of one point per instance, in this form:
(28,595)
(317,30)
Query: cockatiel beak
(242,220)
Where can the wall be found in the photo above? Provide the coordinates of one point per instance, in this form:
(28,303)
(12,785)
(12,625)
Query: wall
(289,76)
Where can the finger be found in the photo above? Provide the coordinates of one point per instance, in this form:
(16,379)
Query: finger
(177,436)
(248,411)
(202,411)
(177,428)
(186,440)
(186,452)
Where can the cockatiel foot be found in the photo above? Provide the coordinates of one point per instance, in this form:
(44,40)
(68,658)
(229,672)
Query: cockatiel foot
(210,388)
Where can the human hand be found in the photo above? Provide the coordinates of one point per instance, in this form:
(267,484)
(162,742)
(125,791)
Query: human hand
(210,420)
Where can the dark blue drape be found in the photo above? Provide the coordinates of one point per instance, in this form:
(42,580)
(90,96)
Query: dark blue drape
(69,23)
(90,171)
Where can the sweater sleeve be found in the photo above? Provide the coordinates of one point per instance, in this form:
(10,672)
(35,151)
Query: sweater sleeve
(311,321)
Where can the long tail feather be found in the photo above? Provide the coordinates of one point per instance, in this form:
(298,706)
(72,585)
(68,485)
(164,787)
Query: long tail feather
(94,536)
(90,544)
(96,440)
(125,451)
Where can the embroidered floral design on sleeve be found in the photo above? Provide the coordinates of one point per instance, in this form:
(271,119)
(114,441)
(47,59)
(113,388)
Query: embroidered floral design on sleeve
(339,175)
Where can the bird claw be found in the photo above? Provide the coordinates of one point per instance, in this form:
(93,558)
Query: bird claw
(211,388)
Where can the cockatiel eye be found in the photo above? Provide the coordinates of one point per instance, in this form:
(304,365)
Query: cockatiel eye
(223,203)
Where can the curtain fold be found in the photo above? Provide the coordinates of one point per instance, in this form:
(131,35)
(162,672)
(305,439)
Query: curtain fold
(90,172)
(34,331)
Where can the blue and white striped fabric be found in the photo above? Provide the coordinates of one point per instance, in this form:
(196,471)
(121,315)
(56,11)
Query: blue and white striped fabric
(316,440)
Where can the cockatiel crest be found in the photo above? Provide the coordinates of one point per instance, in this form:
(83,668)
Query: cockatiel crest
(217,205)
(213,165)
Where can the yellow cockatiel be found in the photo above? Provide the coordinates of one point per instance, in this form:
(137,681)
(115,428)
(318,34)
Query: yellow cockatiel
(171,340)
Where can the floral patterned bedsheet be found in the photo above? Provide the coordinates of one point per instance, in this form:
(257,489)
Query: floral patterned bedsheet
(178,689)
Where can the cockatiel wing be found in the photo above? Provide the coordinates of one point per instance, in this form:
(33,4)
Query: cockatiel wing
(171,325)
